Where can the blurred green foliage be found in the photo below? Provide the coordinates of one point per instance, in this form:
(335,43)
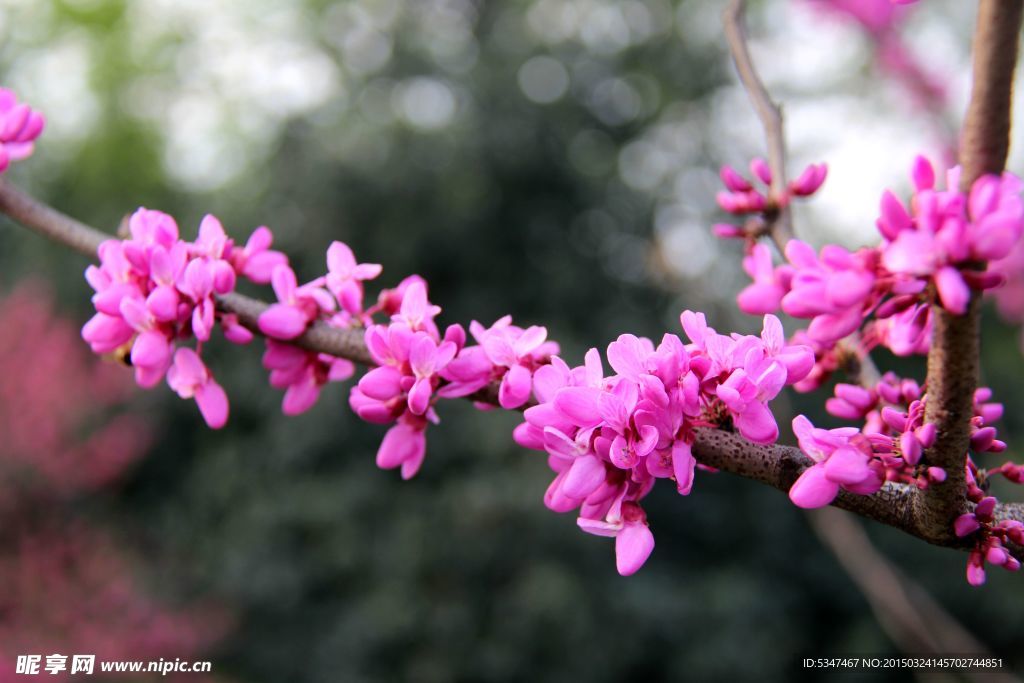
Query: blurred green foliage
(339,571)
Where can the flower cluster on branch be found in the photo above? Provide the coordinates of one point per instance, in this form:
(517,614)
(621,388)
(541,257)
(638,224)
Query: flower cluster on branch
(608,438)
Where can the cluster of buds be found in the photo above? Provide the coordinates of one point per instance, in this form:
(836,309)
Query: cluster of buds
(991,539)
(742,198)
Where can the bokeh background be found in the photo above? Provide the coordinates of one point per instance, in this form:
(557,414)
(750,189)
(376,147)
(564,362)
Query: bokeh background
(552,159)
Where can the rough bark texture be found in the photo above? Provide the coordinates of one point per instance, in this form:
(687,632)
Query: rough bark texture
(953,358)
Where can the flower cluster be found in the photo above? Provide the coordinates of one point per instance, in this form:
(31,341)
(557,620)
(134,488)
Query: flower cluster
(20,125)
(608,438)
(417,366)
(930,250)
(155,289)
(742,198)
(892,441)
(992,537)
(944,231)
(861,461)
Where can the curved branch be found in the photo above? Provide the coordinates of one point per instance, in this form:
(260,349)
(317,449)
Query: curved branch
(779,223)
(775,465)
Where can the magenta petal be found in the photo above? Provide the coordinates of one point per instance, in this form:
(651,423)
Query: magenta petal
(832,327)
(760,298)
(422,355)
(580,404)
(281,321)
(633,546)
(400,444)
(528,436)
(757,423)
(683,464)
(162,302)
(284,282)
(419,396)
(849,287)
(151,349)
(148,377)
(953,291)
(975,574)
(413,463)
(966,525)
(223,277)
(381,383)
(847,466)
(105,333)
(922,174)
(813,489)
(599,527)
(555,499)
(626,356)
(585,475)
(913,253)
(911,448)
(894,215)
(515,387)
(300,396)
(213,404)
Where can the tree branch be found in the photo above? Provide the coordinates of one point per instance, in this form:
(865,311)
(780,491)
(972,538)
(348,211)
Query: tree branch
(769,112)
(775,465)
(953,357)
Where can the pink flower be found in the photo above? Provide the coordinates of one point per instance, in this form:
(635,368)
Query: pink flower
(415,311)
(297,306)
(189,377)
(627,523)
(770,284)
(748,371)
(256,260)
(409,369)
(842,458)
(19,127)
(405,446)
(151,351)
(302,374)
(518,351)
(991,541)
(155,289)
(426,359)
(345,277)
(945,231)
(833,290)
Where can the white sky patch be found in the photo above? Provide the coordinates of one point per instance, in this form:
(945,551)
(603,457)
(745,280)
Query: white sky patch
(55,80)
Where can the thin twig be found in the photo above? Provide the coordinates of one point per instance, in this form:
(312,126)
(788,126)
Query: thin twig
(771,119)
